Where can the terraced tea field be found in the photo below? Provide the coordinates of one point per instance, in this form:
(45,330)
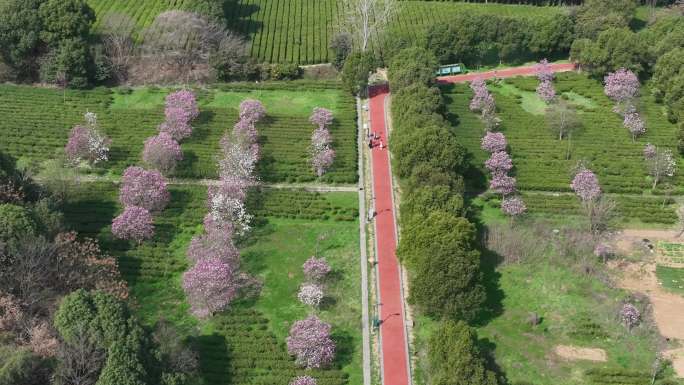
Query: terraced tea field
(543,163)
(299,31)
(36,123)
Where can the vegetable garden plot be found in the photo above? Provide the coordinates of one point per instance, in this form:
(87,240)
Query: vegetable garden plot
(36,123)
(241,347)
(603,142)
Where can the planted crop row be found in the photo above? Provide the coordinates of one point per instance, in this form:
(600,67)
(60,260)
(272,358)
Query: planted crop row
(241,350)
(36,123)
(541,160)
(647,210)
(297,204)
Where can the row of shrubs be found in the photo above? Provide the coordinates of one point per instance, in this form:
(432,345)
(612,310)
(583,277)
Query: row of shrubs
(437,243)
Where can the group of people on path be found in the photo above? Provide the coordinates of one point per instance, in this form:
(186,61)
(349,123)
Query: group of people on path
(374,139)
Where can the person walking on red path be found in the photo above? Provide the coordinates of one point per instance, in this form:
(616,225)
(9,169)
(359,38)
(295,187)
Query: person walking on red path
(391,317)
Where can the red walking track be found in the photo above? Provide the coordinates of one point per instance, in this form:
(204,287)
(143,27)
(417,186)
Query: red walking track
(392,329)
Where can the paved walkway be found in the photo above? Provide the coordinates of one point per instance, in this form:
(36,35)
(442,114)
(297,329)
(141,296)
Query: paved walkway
(503,73)
(394,347)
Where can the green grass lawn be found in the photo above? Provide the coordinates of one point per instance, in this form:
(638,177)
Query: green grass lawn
(36,123)
(575,308)
(671,278)
(541,162)
(245,344)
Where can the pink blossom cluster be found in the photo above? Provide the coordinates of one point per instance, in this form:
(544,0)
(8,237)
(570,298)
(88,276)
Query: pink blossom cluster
(321,117)
(621,85)
(310,294)
(214,243)
(135,223)
(210,286)
(650,151)
(513,206)
(316,269)
(603,250)
(502,184)
(634,124)
(546,92)
(322,154)
(162,152)
(499,163)
(142,188)
(86,143)
(252,111)
(180,109)
(630,315)
(494,142)
(309,341)
(483,102)
(544,71)
(586,185)
(303,380)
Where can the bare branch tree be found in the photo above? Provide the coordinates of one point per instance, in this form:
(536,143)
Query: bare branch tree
(117,37)
(366,19)
(80,360)
(181,41)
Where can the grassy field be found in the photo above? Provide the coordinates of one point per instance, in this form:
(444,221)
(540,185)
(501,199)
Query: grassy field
(543,164)
(299,31)
(36,123)
(575,309)
(672,278)
(244,345)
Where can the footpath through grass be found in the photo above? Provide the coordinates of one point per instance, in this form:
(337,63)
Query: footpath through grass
(246,344)
(544,164)
(36,123)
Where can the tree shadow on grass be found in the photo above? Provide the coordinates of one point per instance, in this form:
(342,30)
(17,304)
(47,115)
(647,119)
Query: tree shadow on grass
(214,359)
(488,348)
(344,347)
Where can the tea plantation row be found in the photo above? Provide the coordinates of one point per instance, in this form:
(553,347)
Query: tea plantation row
(240,346)
(36,122)
(541,160)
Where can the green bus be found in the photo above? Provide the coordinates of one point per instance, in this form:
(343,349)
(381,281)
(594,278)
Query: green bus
(451,69)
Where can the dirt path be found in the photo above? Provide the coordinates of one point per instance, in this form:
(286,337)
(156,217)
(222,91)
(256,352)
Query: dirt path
(503,73)
(574,353)
(394,345)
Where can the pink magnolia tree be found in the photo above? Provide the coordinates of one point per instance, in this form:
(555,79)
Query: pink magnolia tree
(321,152)
(185,100)
(585,184)
(177,123)
(502,184)
(499,162)
(142,188)
(210,286)
(87,143)
(252,111)
(544,71)
(214,244)
(494,142)
(303,380)
(316,269)
(162,152)
(309,341)
(321,117)
(546,92)
(135,223)
(630,316)
(513,206)
(621,85)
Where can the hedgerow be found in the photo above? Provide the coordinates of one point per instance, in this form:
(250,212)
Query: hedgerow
(38,133)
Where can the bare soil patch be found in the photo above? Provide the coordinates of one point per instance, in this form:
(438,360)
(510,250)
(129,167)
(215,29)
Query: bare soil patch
(574,353)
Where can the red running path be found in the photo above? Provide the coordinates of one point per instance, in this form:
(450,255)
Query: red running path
(394,347)
(503,73)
